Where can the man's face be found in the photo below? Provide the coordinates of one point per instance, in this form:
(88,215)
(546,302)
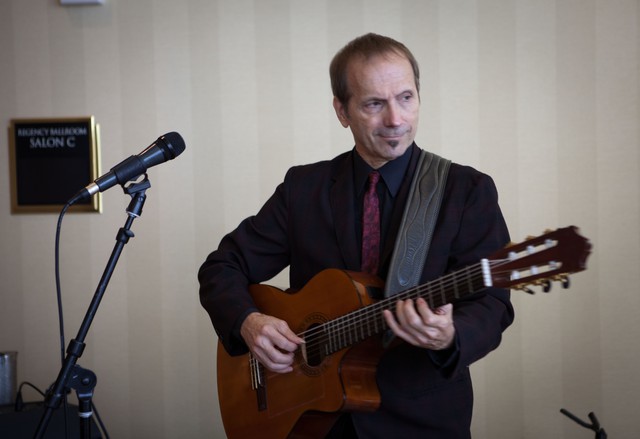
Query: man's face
(384,107)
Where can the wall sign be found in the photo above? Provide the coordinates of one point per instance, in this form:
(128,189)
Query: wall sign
(51,160)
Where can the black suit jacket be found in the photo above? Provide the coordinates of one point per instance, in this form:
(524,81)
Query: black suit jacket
(309,225)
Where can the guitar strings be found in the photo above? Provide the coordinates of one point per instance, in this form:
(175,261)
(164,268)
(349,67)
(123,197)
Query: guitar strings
(349,328)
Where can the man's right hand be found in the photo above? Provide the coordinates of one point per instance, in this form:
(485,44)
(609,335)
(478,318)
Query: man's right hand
(271,341)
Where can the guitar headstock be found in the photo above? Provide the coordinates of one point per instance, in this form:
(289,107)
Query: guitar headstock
(540,260)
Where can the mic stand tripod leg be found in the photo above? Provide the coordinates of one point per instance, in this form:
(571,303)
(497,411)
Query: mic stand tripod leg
(77,345)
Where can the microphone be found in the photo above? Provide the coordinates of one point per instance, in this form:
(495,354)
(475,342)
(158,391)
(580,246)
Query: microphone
(165,148)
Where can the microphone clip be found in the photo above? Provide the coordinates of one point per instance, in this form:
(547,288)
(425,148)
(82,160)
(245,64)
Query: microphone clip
(137,191)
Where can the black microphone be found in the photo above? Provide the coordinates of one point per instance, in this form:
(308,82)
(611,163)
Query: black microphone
(167,147)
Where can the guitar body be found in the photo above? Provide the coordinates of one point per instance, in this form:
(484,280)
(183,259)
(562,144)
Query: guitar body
(306,401)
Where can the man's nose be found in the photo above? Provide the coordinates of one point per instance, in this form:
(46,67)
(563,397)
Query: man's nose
(393,115)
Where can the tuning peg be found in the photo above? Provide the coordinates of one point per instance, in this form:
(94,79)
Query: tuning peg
(525,289)
(566,283)
(546,286)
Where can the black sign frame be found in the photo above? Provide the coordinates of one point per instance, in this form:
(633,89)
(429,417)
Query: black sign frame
(51,160)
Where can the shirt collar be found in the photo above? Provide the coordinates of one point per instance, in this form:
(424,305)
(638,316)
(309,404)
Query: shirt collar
(392,172)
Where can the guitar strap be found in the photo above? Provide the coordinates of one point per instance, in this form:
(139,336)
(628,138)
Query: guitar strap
(418,222)
(416,229)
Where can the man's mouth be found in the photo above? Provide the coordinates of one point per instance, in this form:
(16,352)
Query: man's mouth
(394,134)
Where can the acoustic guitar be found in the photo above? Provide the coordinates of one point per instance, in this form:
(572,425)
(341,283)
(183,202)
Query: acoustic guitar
(334,370)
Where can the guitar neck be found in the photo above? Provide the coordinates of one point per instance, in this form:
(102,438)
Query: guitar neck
(358,325)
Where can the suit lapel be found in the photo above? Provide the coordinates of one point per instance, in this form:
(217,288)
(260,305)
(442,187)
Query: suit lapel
(343,212)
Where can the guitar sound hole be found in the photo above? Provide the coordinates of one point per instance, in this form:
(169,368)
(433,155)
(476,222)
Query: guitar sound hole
(314,346)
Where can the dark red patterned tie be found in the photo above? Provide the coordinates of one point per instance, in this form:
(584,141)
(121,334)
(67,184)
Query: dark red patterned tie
(371,227)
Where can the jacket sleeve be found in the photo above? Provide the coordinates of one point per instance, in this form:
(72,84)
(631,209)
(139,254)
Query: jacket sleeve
(254,252)
(471,227)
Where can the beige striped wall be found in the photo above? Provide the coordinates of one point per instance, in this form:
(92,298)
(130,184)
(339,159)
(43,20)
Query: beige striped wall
(541,94)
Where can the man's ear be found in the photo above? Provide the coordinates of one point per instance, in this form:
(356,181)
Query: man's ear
(341,112)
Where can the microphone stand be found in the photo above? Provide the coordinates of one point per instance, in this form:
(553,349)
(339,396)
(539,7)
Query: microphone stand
(72,376)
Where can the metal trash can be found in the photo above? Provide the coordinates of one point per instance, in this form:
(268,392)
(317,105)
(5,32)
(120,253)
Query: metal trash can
(8,377)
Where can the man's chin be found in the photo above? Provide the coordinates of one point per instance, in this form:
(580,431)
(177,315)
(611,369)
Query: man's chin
(397,146)
(393,143)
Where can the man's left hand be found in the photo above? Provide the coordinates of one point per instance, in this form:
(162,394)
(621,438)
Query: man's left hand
(417,324)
